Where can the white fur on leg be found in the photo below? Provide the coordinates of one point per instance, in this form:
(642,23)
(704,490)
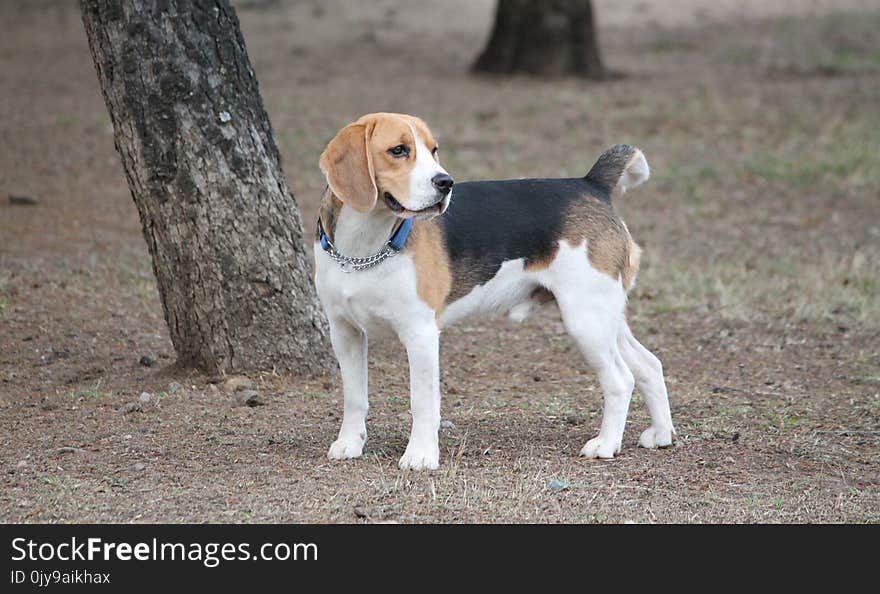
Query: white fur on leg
(601,447)
(350,345)
(657,437)
(422,341)
(422,453)
(347,446)
(617,386)
(591,304)
(648,372)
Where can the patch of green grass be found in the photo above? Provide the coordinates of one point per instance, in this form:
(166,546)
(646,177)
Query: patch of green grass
(67,121)
(89,393)
(668,44)
(786,422)
(847,153)
(551,404)
(739,54)
(592,519)
(115,482)
(840,61)
(396,400)
(828,284)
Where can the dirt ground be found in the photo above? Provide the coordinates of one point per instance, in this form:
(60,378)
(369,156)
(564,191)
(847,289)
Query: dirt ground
(759,286)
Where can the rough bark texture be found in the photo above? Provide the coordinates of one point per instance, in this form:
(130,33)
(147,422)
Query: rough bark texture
(548,38)
(221,225)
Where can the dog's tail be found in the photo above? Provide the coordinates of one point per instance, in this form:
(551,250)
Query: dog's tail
(618,169)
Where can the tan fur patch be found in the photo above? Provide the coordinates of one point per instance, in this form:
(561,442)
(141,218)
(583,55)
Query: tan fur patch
(329,213)
(347,164)
(632,265)
(609,245)
(433,275)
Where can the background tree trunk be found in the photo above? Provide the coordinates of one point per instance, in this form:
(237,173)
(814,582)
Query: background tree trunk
(222,228)
(548,38)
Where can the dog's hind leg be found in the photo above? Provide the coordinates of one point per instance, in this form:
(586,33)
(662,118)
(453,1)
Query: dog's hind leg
(592,312)
(648,372)
(615,378)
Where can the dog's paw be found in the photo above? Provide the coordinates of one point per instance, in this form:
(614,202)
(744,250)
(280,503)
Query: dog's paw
(347,447)
(420,459)
(601,447)
(657,437)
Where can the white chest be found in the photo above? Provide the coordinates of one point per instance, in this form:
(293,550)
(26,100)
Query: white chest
(376,300)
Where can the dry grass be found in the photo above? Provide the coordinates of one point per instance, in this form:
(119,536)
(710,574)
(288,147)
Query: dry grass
(758,289)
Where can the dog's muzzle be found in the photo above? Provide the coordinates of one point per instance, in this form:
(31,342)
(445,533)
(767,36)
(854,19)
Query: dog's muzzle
(431,211)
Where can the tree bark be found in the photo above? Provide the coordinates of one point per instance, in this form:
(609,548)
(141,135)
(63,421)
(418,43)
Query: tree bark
(223,230)
(548,38)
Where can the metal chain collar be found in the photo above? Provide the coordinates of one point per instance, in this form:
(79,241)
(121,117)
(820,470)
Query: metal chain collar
(350,264)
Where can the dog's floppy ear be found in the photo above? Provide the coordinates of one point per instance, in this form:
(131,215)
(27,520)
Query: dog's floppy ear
(348,167)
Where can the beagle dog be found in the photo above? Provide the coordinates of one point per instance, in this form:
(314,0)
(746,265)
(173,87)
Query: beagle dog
(396,254)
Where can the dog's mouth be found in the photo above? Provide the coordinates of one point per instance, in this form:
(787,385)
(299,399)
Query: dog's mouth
(428,212)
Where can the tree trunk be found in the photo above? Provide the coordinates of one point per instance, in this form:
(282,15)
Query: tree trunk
(548,38)
(222,228)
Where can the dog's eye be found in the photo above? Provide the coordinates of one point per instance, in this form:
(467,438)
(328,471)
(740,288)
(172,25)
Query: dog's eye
(435,150)
(401,150)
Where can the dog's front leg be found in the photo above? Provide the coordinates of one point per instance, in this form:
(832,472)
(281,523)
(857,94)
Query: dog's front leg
(350,345)
(422,344)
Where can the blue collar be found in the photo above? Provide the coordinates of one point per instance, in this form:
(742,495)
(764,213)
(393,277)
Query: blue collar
(397,241)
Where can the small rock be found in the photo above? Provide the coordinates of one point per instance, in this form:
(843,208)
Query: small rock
(536,378)
(69,450)
(147,361)
(145,397)
(23,200)
(59,353)
(236,383)
(139,466)
(249,398)
(404,416)
(174,387)
(360,512)
(444,424)
(21,464)
(734,436)
(224,116)
(131,407)
(557,485)
(574,419)
(47,405)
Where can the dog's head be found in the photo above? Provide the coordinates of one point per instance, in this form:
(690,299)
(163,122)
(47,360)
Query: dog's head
(389,156)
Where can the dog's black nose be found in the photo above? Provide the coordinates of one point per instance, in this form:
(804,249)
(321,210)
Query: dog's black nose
(443,182)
